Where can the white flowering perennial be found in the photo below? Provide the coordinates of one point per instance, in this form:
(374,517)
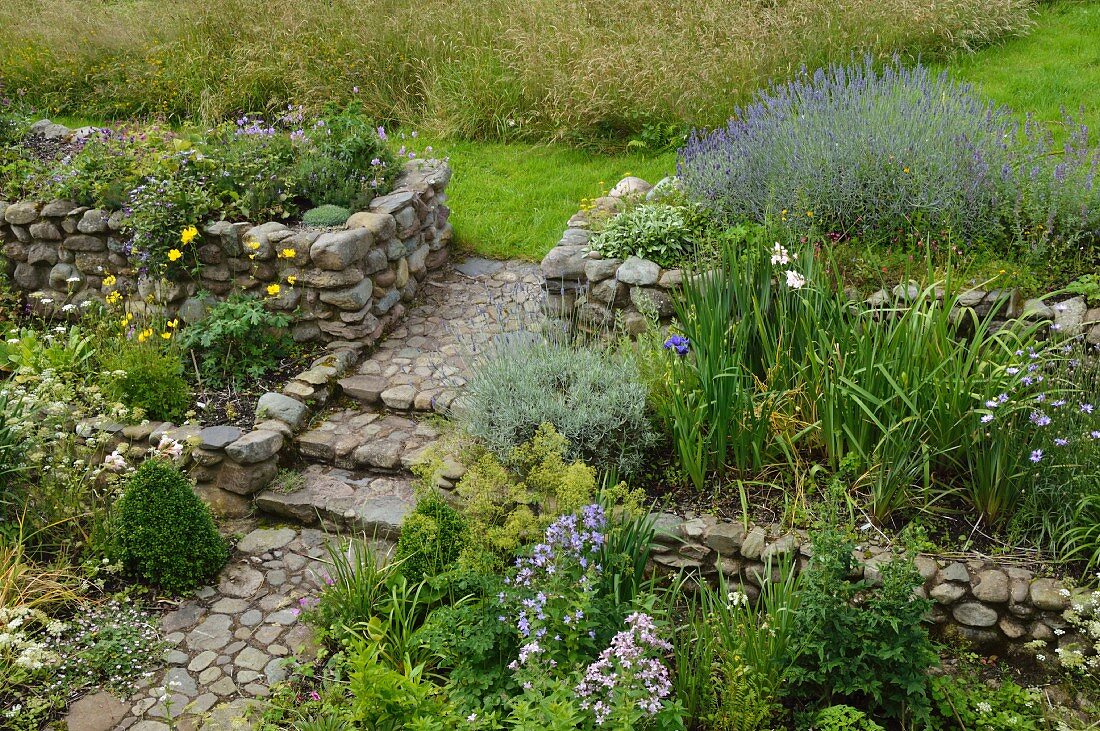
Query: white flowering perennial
(1081,655)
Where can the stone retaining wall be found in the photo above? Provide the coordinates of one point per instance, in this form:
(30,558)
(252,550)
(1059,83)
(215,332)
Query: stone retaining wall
(348,285)
(230,464)
(985,602)
(601,292)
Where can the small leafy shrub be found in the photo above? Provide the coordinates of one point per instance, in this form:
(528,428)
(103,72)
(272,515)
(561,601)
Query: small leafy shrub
(593,398)
(326,215)
(254,178)
(854,642)
(239,338)
(663,233)
(432,537)
(842,718)
(109,165)
(148,378)
(163,532)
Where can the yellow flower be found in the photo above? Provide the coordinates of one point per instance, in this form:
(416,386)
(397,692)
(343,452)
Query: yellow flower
(905,170)
(254,245)
(292,279)
(188,234)
(287,254)
(810,214)
(273,289)
(251,256)
(114,297)
(173,323)
(109,280)
(174,254)
(166,336)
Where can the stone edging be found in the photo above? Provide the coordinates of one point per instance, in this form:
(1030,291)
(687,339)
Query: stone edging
(975,597)
(601,291)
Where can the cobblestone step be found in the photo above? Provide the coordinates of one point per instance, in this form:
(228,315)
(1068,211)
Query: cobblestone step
(337,498)
(367,438)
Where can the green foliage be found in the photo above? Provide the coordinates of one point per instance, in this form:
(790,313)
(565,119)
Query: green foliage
(163,532)
(592,397)
(71,353)
(238,338)
(432,537)
(254,178)
(963,699)
(149,378)
(384,698)
(326,215)
(842,718)
(12,446)
(354,587)
(666,234)
(509,507)
(1087,286)
(855,642)
(346,163)
(109,165)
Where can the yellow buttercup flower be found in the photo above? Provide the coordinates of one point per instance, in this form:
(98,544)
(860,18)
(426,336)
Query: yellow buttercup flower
(809,214)
(287,254)
(109,280)
(273,289)
(166,336)
(292,279)
(254,245)
(188,234)
(114,297)
(174,254)
(173,323)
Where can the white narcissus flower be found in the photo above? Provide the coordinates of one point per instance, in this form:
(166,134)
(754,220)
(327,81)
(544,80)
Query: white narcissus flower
(795,280)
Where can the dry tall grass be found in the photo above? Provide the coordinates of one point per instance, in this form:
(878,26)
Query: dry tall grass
(535,69)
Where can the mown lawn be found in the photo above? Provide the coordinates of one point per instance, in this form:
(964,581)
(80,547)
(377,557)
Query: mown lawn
(1056,66)
(512,200)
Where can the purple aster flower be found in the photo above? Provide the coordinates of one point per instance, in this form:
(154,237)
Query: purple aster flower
(1036,455)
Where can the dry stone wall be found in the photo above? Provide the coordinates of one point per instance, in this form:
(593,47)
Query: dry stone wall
(348,284)
(601,292)
(986,602)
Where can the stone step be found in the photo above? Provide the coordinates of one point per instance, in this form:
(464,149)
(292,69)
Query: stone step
(368,439)
(337,498)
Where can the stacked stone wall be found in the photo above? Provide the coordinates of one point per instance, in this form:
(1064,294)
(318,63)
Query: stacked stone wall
(348,284)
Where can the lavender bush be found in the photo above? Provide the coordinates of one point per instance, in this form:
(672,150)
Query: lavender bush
(880,153)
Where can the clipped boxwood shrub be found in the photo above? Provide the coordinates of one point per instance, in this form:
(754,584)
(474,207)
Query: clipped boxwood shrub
(163,533)
(326,215)
(432,537)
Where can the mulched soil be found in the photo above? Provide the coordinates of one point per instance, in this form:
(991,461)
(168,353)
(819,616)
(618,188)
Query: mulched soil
(235,405)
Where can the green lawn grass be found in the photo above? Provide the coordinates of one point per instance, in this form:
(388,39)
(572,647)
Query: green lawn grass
(1055,66)
(512,200)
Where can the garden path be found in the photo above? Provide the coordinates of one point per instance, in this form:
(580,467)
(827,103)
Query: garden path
(360,451)
(227,644)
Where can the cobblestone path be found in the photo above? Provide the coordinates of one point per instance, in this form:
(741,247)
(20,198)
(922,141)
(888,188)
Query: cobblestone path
(227,644)
(361,451)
